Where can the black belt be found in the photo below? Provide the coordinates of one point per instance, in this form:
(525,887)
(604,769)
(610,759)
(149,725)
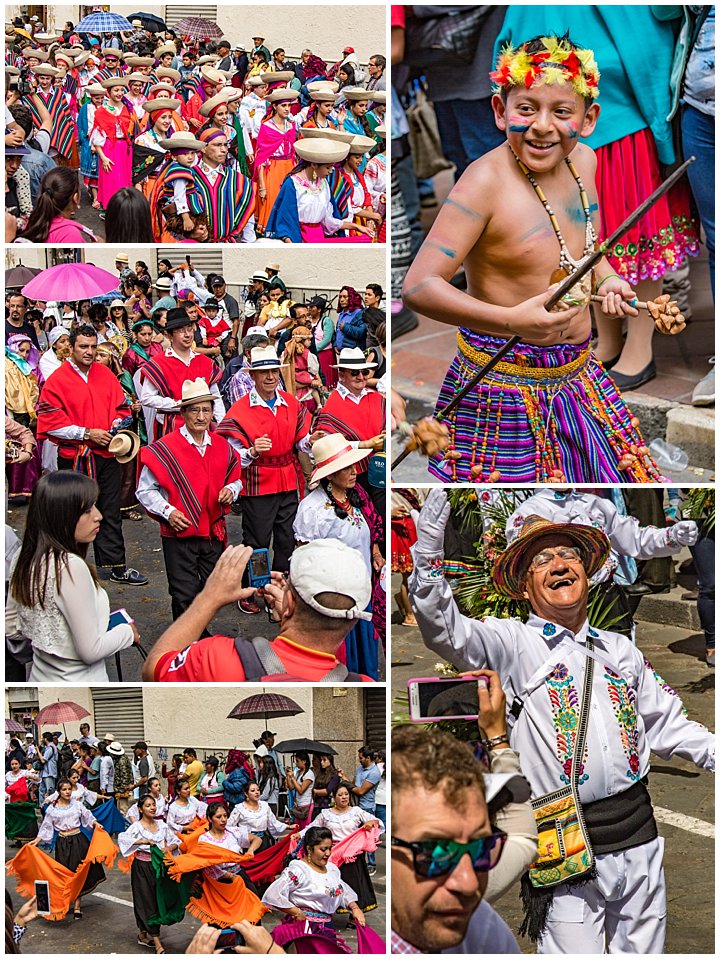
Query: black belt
(622,821)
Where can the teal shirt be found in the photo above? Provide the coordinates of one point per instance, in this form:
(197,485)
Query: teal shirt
(634,52)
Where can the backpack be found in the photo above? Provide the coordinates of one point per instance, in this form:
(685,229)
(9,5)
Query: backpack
(262,664)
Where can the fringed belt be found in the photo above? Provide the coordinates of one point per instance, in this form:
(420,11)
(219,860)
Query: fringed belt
(520,371)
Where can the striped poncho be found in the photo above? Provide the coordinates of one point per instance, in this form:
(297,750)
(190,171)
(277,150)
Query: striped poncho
(228,203)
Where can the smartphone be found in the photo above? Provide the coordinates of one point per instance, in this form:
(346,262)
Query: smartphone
(259,568)
(229,938)
(42,895)
(432,698)
(118,617)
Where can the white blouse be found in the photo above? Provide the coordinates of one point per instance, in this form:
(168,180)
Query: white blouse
(65,818)
(344,824)
(302,887)
(11,777)
(314,203)
(179,816)
(70,638)
(80,794)
(316,519)
(137,833)
(236,839)
(133,813)
(257,820)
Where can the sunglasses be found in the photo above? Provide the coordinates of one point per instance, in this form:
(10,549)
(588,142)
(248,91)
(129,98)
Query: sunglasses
(434,858)
(360,372)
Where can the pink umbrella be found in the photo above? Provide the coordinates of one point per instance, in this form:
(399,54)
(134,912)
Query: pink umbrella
(69,282)
(60,712)
(13,726)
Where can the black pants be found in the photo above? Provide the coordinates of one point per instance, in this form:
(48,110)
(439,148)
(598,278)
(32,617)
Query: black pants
(189,560)
(646,505)
(270,517)
(703,552)
(109,545)
(377,497)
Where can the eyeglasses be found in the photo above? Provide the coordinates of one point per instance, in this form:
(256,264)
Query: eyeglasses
(434,858)
(569,553)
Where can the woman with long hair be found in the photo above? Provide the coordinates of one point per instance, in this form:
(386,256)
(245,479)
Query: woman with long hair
(300,778)
(211,781)
(54,596)
(343,819)
(275,152)
(355,200)
(172,774)
(127,218)
(269,782)
(184,807)
(350,329)
(50,220)
(275,316)
(257,816)
(320,113)
(111,138)
(327,779)
(22,379)
(154,790)
(312,890)
(339,508)
(62,821)
(79,792)
(137,841)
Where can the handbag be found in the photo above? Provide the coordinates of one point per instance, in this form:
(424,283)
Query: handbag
(424,137)
(564,850)
(450,36)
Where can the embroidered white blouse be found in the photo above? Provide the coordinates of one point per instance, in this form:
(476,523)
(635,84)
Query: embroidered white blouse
(137,834)
(314,204)
(80,794)
(133,813)
(179,816)
(236,839)
(300,886)
(316,519)
(64,819)
(257,820)
(342,825)
(633,712)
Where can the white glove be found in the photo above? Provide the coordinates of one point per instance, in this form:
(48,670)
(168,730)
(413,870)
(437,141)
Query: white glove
(432,522)
(684,533)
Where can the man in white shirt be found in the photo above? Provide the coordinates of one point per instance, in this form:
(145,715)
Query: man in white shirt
(85,736)
(632,712)
(189,480)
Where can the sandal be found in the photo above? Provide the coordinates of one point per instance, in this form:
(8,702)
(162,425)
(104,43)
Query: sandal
(77,914)
(133,515)
(145,942)
(407,622)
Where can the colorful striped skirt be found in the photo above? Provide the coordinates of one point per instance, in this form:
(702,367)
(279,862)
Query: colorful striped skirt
(546,414)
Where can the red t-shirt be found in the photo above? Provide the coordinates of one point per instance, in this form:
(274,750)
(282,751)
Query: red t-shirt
(215,660)
(397,16)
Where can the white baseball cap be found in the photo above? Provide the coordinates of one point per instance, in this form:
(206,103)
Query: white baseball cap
(329,566)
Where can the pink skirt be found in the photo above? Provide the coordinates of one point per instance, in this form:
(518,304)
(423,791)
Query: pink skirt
(326,358)
(120,176)
(628,171)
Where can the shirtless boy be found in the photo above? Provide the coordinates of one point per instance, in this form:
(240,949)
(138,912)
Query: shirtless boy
(549,412)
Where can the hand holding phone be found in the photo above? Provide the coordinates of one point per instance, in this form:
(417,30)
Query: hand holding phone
(259,568)
(118,617)
(42,897)
(433,698)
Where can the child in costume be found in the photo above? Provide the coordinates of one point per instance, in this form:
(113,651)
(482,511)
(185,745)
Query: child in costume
(521,218)
(174,184)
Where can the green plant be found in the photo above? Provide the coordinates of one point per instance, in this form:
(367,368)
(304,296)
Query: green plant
(699,504)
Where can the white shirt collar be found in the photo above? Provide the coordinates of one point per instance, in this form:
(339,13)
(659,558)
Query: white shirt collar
(171,352)
(550,630)
(79,371)
(257,400)
(346,394)
(206,441)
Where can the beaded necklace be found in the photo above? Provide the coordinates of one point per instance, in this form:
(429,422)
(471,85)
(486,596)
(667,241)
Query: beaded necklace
(567,262)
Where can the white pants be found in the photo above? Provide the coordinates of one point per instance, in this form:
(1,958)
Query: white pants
(248,233)
(623,910)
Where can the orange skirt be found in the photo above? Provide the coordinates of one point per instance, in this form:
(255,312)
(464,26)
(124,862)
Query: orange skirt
(275,173)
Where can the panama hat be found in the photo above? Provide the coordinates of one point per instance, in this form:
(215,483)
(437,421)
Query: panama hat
(259,275)
(118,303)
(195,391)
(264,358)
(277,76)
(339,136)
(333,453)
(211,105)
(111,82)
(163,283)
(121,258)
(509,569)
(282,94)
(356,93)
(318,150)
(353,358)
(182,141)
(360,144)
(115,749)
(124,446)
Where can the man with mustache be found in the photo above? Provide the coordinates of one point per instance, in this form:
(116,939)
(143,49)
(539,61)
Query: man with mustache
(620,906)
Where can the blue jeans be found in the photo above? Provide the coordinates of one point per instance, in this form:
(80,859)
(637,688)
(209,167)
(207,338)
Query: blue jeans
(467,130)
(703,552)
(47,786)
(698,139)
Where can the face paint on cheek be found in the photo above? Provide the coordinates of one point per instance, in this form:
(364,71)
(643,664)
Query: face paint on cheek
(517,125)
(571,131)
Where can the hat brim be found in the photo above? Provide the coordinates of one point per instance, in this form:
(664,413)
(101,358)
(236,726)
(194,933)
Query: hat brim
(134,447)
(509,570)
(341,463)
(354,366)
(207,398)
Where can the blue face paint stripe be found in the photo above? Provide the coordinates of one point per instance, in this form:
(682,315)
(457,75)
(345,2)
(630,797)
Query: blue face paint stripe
(519,128)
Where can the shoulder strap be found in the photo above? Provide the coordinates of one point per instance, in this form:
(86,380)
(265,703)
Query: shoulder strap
(579,750)
(258,658)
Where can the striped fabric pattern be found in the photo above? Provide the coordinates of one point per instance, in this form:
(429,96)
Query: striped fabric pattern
(516,429)
(229,203)
(64,131)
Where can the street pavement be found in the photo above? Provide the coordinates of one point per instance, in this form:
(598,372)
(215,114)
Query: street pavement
(108,924)
(683,795)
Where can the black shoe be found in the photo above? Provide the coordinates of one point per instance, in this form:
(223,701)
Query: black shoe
(608,364)
(130,577)
(626,383)
(644,589)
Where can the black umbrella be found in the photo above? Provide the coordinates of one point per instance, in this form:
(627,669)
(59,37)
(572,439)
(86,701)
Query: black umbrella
(18,276)
(305,745)
(149,21)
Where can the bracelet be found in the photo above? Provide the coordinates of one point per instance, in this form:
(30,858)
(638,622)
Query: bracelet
(492,743)
(608,277)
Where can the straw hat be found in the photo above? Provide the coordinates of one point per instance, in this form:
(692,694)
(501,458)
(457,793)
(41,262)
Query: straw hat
(162,103)
(82,58)
(317,150)
(323,85)
(256,82)
(339,136)
(115,749)
(163,283)
(211,105)
(124,446)
(166,89)
(377,96)
(212,75)
(323,95)
(46,38)
(183,140)
(12,72)
(360,145)
(133,61)
(277,76)
(45,70)
(118,303)
(95,90)
(380,130)
(282,94)
(29,52)
(510,566)
(168,72)
(195,391)
(273,266)
(121,258)
(353,358)
(64,57)
(111,52)
(135,77)
(208,58)
(264,358)
(333,453)
(165,48)
(356,93)
(111,82)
